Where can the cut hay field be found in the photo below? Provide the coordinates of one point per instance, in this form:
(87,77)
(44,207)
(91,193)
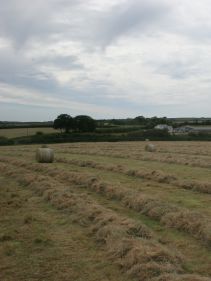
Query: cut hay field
(106,211)
(22,132)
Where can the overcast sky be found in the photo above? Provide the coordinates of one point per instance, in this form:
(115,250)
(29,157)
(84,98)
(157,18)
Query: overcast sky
(104,58)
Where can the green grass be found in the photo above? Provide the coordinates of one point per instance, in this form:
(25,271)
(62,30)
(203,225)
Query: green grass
(50,246)
(166,192)
(197,258)
(186,172)
(64,250)
(21,132)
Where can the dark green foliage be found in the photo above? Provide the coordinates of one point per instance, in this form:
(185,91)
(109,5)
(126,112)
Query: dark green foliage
(84,123)
(64,122)
(153,135)
(6,141)
(63,137)
(83,129)
(118,129)
(144,122)
(14,125)
(81,123)
(39,133)
(140,120)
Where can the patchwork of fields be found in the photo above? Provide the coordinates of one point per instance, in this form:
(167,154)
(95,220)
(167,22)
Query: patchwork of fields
(106,211)
(23,132)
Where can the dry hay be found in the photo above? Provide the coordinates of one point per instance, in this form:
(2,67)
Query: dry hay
(125,240)
(110,228)
(150,147)
(44,155)
(168,214)
(155,175)
(191,222)
(144,260)
(181,277)
(162,156)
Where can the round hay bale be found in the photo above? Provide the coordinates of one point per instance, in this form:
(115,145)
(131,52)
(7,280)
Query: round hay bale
(44,155)
(150,147)
(146,139)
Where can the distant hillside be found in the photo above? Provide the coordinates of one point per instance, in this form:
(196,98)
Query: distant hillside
(190,120)
(142,121)
(14,124)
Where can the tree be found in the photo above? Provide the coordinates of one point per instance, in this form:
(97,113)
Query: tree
(85,123)
(140,120)
(64,122)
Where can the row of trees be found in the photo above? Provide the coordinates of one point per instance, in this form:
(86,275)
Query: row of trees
(80,123)
(144,122)
(150,123)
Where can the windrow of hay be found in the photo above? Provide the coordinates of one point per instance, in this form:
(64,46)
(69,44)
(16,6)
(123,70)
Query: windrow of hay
(184,277)
(140,257)
(154,175)
(200,159)
(172,216)
(191,160)
(169,215)
(62,197)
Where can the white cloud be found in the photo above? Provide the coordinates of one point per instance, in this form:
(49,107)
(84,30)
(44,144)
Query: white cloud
(10,94)
(122,54)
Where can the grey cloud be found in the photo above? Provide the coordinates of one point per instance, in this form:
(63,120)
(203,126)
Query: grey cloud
(77,20)
(141,16)
(21,20)
(190,20)
(199,33)
(87,30)
(178,69)
(64,62)
(18,20)
(16,69)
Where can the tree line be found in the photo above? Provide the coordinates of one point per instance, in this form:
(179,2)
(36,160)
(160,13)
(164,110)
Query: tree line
(84,123)
(80,123)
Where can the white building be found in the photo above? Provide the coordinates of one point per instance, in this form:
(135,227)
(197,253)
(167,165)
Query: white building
(164,127)
(193,129)
(183,130)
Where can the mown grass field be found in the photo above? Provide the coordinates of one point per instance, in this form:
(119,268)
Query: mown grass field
(22,132)
(106,211)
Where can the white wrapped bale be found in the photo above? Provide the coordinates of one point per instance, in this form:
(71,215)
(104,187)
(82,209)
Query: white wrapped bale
(150,147)
(45,155)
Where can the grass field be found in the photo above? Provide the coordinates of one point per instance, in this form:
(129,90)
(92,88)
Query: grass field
(106,211)
(21,132)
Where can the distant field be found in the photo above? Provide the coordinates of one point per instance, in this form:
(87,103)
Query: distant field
(106,211)
(20,132)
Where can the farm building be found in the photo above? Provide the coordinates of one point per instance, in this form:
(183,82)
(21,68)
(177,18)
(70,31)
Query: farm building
(183,129)
(164,127)
(194,129)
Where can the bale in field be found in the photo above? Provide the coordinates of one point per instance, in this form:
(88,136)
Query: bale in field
(150,147)
(44,155)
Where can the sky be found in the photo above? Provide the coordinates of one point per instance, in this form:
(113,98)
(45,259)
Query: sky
(104,58)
